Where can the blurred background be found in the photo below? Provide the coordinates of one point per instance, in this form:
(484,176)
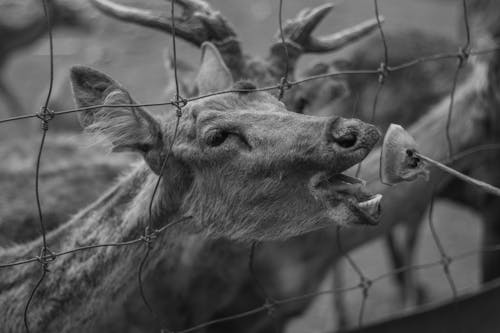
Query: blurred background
(134,56)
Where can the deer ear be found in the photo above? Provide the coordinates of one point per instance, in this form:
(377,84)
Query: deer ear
(125,128)
(213,74)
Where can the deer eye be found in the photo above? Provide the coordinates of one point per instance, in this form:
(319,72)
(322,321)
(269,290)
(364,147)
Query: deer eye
(216,138)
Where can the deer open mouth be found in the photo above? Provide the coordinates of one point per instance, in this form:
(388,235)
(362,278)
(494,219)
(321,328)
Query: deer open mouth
(351,191)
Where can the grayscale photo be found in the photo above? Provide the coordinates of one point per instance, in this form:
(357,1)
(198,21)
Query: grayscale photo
(265,166)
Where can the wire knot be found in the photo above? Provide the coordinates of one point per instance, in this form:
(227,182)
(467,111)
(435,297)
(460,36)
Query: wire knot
(365,284)
(149,236)
(463,55)
(179,102)
(45,115)
(46,256)
(446,262)
(270,306)
(284,85)
(383,72)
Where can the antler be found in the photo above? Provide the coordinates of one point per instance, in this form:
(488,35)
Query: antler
(298,37)
(198,23)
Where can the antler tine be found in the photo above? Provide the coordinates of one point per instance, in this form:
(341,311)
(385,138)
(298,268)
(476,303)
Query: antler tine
(298,31)
(297,34)
(197,24)
(342,38)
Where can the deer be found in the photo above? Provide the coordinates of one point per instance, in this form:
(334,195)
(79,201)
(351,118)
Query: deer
(228,176)
(22,24)
(65,143)
(463,120)
(65,171)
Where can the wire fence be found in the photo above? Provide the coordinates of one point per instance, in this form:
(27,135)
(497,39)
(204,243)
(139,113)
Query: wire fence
(269,305)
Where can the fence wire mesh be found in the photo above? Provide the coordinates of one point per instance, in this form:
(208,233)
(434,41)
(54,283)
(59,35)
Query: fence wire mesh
(269,304)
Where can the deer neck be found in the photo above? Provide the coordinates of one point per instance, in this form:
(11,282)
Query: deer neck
(81,284)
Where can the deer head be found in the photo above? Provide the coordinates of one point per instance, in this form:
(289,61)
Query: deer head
(252,169)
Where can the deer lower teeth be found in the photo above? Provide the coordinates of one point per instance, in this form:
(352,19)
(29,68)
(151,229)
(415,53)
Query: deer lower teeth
(372,205)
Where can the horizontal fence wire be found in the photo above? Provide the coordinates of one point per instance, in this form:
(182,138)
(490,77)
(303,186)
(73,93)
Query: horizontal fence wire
(270,305)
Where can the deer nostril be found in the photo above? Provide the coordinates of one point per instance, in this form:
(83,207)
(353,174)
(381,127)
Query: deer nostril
(345,133)
(347,140)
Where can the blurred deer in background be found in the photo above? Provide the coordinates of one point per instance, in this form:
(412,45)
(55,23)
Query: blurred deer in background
(22,24)
(420,86)
(484,27)
(405,97)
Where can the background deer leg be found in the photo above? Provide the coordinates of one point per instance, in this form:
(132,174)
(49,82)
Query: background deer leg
(486,206)
(490,261)
(402,254)
(340,305)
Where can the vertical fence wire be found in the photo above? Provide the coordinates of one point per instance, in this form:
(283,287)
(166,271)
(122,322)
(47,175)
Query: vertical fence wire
(284,79)
(364,282)
(269,302)
(45,116)
(384,65)
(150,233)
(382,71)
(462,57)
(445,259)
